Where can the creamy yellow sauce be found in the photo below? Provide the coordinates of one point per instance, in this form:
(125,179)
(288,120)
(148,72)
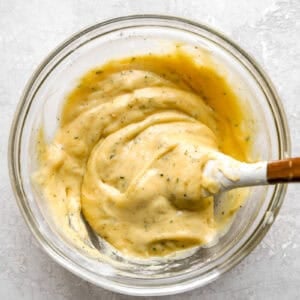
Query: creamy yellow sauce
(133,138)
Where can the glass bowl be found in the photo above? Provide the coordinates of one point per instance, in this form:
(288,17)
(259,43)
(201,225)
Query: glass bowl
(41,103)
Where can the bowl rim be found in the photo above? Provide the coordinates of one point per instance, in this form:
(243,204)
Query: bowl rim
(62,259)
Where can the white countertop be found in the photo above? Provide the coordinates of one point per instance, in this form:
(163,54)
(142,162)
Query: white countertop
(267,29)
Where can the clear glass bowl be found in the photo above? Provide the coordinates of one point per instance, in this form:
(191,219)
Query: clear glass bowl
(41,103)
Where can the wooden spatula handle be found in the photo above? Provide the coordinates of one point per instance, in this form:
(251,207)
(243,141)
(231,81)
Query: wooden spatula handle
(287,170)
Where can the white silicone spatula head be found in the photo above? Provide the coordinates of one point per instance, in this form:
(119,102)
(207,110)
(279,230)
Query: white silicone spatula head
(229,173)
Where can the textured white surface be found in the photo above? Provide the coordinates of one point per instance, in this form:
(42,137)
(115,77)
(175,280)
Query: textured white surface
(268,29)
